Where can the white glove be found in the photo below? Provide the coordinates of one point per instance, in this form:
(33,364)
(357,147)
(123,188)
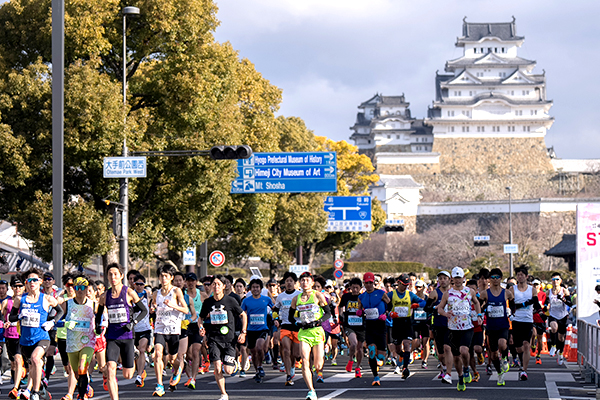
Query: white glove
(48,325)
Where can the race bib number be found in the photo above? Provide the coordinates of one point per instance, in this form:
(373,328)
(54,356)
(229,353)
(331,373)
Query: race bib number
(307,312)
(218,317)
(257,319)
(163,315)
(473,315)
(420,314)
(354,320)
(81,325)
(401,311)
(117,315)
(286,303)
(31,318)
(461,309)
(371,313)
(496,311)
(556,303)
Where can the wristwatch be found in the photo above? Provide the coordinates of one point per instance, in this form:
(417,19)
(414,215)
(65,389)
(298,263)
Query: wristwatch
(244,332)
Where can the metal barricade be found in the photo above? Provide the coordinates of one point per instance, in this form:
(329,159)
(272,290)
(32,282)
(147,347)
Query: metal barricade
(588,351)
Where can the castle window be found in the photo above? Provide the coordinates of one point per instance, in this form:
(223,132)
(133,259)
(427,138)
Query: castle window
(475,50)
(450,129)
(525,92)
(489,49)
(457,93)
(481,129)
(451,113)
(482,50)
(371,111)
(512,92)
(470,93)
(511,128)
(389,136)
(525,128)
(465,113)
(503,50)
(397,136)
(495,49)
(533,112)
(518,112)
(369,142)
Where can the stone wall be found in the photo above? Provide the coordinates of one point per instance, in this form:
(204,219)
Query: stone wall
(502,156)
(408,169)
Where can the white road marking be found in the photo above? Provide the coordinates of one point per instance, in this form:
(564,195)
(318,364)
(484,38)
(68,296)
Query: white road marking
(559,377)
(552,389)
(333,394)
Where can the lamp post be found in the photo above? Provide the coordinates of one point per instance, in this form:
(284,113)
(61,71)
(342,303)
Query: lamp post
(124,182)
(510,237)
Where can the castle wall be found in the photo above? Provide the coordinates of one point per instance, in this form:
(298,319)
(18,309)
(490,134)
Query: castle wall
(408,169)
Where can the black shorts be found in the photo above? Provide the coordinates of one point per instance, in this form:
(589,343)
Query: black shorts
(27,351)
(421,329)
(13,347)
(540,328)
(224,352)
(402,330)
(441,335)
(494,336)
(477,339)
(375,333)
(61,344)
(52,334)
(253,336)
(360,334)
(142,335)
(194,334)
(521,332)
(170,343)
(460,339)
(123,348)
(562,324)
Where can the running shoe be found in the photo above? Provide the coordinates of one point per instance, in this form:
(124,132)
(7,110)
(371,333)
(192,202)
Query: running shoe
(261,372)
(334,363)
(424,364)
(500,379)
(188,382)
(25,394)
(441,375)
(298,364)
(447,379)
(533,351)
(224,397)
(139,381)
(159,391)
(105,383)
(206,367)
(236,368)
(560,359)
(480,359)
(523,376)
(257,378)
(34,396)
(320,378)
(289,381)
(505,367)
(357,373)
(349,366)
(191,384)
(90,392)
(242,374)
(388,361)
(172,388)
(268,359)
(467,376)
(538,360)
(293,372)
(53,370)
(281,367)
(461,386)
(176,377)
(311,395)
(552,351)
(516,363)
(376,381)
(380,360)
(488,370)
(14,394)
(405,373)
(476,377)
(65,397)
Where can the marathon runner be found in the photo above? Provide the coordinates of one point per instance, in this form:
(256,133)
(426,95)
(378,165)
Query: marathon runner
(497,323)
(11,335)
(169,304)
(311,309)
(476,348)
(32,309)
(558,299)
(194,338)
(372,304)
(290,346)
(421,325)
(459,300)
(354,325)
(142,330)
(441,333)
(218,311)
(401,307)
(48,283)
(525,301)
(539,324)
(119,301)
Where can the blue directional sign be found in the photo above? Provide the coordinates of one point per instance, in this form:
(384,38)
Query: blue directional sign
(348,213)
(287,173)
(124,167)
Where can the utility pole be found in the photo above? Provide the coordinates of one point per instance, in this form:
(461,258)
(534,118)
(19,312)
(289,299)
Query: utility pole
(510,233)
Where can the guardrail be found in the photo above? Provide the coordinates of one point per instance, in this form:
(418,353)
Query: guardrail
(588,351)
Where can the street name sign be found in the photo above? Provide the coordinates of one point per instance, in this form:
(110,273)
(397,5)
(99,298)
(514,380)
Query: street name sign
(348,213)
(189,256)
(124,167)
(287,173)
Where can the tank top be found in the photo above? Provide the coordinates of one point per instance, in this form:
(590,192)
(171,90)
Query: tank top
(119,315)
(168,320)
(61,331)
(33,315)
(401,304)
(144,324)
(459,302)
(309,310)
(439,320)
(12,331)
(558,309)
(497,315)
(79,323)
(373,304)
(197,306)
(523,314)
(284,302)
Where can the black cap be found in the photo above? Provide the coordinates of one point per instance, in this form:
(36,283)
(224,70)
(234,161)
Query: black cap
(48,275)
(191,277)
(404,279)
(272,281)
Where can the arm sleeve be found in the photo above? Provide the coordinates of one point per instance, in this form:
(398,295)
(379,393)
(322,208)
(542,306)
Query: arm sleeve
(143,311)
(14,315)
(99,315)
(326,313)
(429,305)
(416,299)
(59,313)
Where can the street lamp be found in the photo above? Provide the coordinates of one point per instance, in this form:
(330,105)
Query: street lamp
(510,237)
(124,182)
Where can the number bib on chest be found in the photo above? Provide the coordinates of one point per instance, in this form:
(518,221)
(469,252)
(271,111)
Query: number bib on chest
(81,325)
(117,315)
(462,308)
(420,314)
(257,319)
(371,313)
(218,317)
(308,312)
(31,318)
(401,311)
(495,311)
(354,320)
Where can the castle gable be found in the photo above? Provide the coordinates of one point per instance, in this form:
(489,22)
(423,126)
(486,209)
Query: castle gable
(465,78)
(518,77)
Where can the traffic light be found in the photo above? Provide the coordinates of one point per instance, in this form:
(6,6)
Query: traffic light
(230,152)
(394,228)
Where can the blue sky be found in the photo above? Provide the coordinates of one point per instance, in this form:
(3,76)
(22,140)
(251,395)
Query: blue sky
(330,55)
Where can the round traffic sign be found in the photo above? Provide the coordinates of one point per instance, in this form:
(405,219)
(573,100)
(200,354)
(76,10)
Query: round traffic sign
(217,258)
(338,264)
(338,273)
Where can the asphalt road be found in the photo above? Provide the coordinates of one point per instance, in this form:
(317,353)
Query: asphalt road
(546,381)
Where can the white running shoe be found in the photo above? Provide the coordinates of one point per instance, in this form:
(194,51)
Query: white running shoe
(560,359)
(447,379)
(552,351)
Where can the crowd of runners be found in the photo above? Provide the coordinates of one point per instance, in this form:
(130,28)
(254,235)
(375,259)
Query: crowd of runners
(188,326)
